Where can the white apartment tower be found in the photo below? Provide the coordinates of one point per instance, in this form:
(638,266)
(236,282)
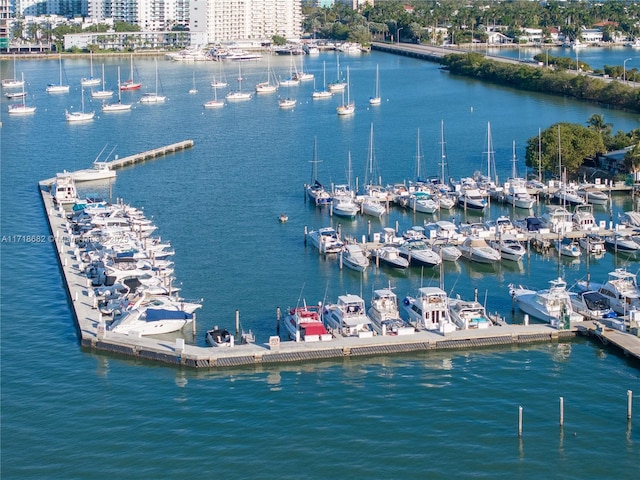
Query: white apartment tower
(246,20)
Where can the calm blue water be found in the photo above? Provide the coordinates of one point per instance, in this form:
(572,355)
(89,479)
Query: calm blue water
(68,413)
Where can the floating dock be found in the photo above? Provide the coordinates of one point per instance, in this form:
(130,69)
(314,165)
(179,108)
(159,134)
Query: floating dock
(137,158)
(94,335)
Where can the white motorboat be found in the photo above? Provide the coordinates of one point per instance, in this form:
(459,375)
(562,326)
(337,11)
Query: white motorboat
(592,243)
(510,249)
(583,218)
(478,250)
(568,247)
(567,195)
(622,291)
(429,310)
(373,206)
(64,190)
(150,321)
(326,240)
(390,255)
(447,251)
(630,219)
(501,226)
(592,194)
(354,257)
(287,102)
(468,314)
(385,316)
(472,198)
(348,317)
(591,304)
(423,202)
(303,324)
(557,219)
(418,252)
(99,171)
(516,194)
(551,305)
(345,207)
(621,242)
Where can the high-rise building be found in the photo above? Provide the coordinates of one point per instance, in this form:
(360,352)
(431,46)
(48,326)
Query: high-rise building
(246,20)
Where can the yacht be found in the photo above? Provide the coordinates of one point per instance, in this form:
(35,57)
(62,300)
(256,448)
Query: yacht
(287,102)
(621,242)
(64,190)
(583,218)
(622,291)
(385,316)
(551,305)
(354,257)
(568,247)
(516,194)
(303,324)
(429,310)
(509,248)
(99,171)
(472,198)
(592,194)
(477,249)
(150,321)
(557,219)
(418,252)
(592,304)
(390,256)
(468,314)
(348,317)
(592,243)
(326,240)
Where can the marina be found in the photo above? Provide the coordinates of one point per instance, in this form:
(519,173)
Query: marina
(463,331)
(219,203)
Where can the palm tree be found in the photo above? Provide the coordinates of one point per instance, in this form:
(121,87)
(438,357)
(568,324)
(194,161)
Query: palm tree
(596,122)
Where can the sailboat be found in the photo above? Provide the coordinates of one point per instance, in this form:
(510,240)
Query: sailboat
(301,74)
(322,93)
(102,93)
(445,199)
(376,100)
(21,108)
(59,88)
(131,84)
(153,97)
(193,87)
(338,85)
(215,103)
(90,82)
(239,94)
(221,81)
(293,80)
(14,82)
(268,86)
(81,116)
(116,107)
(349,107)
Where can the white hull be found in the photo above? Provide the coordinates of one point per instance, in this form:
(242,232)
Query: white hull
(58,89)
(79,116)
(116,107)
(152,98)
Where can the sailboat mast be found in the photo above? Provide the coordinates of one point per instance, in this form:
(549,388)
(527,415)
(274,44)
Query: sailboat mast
(418,157)
(442,152)
(514,172)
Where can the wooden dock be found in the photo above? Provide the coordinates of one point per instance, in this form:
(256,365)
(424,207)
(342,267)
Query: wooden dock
(628,344)
(149,154)
(136,158)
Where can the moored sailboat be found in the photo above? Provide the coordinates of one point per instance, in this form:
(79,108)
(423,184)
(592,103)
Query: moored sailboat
(116,107)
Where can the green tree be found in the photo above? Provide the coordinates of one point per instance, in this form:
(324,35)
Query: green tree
(576,144)
(632,159)
(278,40)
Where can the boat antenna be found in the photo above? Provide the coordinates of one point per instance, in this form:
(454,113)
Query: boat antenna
(112,150)
(300,296)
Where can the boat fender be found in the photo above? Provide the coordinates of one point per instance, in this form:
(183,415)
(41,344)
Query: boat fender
(406,301)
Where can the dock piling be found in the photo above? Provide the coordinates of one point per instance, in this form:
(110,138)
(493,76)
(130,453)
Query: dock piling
(562,411)
(520,421)
(629,403)
(237,322)
(278,314)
